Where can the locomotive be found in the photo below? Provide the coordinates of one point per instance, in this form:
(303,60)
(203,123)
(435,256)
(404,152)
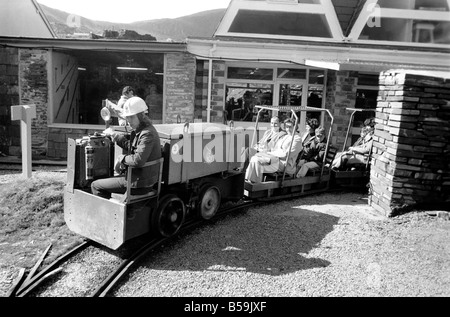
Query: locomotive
(199,170)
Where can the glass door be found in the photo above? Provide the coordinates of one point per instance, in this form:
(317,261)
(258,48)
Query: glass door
(291,93)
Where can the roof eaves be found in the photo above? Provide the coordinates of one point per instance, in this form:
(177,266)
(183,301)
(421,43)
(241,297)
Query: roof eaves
(89,44)
(305,42)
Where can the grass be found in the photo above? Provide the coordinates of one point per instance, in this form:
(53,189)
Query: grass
(32,217)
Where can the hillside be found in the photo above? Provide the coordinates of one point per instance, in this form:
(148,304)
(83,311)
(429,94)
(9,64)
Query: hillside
(202,24)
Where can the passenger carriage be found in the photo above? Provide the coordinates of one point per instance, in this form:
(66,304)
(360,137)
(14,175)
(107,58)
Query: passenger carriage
(284,185)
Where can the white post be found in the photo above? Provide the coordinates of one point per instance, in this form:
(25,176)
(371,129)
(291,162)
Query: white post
(25,114)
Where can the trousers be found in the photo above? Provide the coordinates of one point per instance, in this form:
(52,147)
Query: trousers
(305,166)
(118,185)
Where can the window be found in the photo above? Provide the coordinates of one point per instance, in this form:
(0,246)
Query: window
(281,19)
(247,86)
(82,79)
(255,73)
(241,99)
(280,23)
(408,21)
(291,73)
(366,98)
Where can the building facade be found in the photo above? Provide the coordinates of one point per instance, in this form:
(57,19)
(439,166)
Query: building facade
(330,54)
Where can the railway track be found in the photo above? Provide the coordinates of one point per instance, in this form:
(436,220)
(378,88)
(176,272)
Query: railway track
(25,285)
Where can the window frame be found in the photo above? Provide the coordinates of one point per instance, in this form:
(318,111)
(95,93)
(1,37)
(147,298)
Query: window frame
(322,7)
(370,10)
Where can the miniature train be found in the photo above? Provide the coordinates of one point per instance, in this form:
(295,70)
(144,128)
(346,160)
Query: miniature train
(200,169)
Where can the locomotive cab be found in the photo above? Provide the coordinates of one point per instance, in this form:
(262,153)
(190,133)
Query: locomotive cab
(109,222)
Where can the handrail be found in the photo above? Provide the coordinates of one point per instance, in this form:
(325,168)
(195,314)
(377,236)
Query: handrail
(354,110)
(326,148)
(256,127)
(290,147)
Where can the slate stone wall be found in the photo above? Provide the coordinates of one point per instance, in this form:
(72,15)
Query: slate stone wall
(34,90)
(341,94)
(411,154)
(179,87)
(9,96)
(217,91)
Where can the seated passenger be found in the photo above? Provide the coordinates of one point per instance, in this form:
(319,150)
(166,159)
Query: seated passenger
(313,154)
(267,142)
(308,135)
(276,160)
(356,154)
(270,137)
(143,146)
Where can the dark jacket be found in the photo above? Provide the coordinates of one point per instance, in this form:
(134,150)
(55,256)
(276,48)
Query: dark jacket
(144,146)
(316,151)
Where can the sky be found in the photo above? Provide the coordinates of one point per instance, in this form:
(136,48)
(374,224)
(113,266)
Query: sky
(127,11)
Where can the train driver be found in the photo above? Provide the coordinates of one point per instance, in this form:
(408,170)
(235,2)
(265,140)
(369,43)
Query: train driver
(277,159)
(143,146)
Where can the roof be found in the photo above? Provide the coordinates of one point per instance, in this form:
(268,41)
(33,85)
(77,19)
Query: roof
(24,18)
(380,22)
(347,11)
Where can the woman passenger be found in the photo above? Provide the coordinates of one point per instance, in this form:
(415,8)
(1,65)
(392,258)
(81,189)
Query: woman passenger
(267,142)
(277,159)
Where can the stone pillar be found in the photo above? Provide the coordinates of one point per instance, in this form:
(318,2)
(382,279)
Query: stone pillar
(33,79)
(341,94)
(179,87)
(217,91)
(201,91)
(9,95)
(411,151)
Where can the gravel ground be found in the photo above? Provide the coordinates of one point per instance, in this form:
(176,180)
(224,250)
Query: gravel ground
(324,245)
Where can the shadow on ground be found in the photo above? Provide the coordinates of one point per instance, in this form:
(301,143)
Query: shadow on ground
(269,241)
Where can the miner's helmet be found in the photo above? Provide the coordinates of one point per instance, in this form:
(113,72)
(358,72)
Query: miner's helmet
(133,106)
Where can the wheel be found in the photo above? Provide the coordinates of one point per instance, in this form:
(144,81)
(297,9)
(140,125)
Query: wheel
(169,216)
(209,201)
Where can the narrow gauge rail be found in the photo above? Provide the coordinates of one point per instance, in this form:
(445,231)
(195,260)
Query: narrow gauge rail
(24,287)
(112,280)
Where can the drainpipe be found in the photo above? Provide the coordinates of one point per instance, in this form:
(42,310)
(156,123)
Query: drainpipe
(208,107)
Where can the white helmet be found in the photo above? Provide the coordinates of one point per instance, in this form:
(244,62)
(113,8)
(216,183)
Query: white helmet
(133,106)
